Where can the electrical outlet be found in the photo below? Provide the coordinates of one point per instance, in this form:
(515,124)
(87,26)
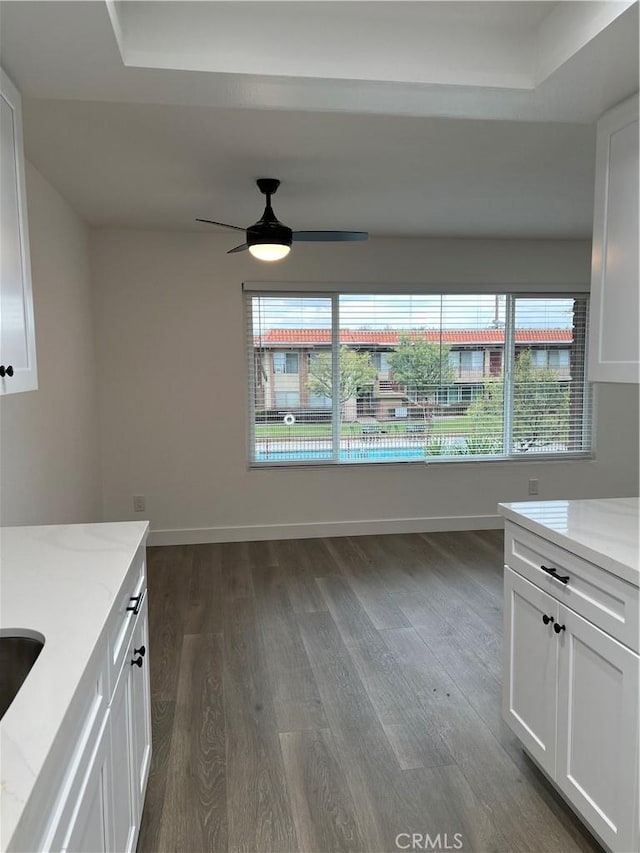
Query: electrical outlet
(533,486)
(139,503)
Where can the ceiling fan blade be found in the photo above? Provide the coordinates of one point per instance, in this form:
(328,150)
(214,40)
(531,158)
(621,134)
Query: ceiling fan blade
(328,236)
(222,224)
(241,248)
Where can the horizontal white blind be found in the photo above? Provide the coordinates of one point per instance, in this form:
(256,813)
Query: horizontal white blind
(290,359)
(419,377)
(551,412)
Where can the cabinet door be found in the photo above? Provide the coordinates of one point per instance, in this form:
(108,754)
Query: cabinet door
(614,351)
(597,763)
(123,813)
(141,710)
(17,333)
(530,667)
(88,831)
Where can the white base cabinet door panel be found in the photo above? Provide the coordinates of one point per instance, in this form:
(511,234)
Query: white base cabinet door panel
(598,728)
(88,830)
(531,656)
(123,818)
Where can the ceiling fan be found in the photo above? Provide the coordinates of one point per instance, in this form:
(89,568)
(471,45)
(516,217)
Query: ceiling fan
(270,240)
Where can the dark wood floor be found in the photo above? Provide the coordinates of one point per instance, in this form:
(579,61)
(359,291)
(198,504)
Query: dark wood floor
(329,694)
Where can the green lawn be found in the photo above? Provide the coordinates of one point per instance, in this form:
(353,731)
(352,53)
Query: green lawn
(437,426)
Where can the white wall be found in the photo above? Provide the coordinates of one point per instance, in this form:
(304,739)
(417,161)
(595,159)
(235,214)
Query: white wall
(172,378)
(48,438)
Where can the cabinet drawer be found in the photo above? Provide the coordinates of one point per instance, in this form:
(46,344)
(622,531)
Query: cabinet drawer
(602,598)
(132,596)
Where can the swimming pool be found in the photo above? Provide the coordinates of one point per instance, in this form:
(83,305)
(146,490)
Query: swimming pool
(347,454)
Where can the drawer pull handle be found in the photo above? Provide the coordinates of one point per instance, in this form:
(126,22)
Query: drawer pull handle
(557,628)
(141,651)
(136,603)
(547,619)
(136,662)
(553,572)
(6,371)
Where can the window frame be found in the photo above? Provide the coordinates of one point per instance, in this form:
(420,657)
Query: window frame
(257,289)
(287,356)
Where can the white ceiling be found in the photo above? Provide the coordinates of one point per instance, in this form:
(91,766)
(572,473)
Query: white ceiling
(472,119)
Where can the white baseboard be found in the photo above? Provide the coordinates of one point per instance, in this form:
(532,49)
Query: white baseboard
(313,530)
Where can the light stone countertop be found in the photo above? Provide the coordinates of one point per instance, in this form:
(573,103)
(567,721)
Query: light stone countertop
(603,531)
(62,581)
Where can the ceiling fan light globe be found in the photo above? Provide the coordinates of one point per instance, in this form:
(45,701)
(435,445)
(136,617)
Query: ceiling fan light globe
(269,251)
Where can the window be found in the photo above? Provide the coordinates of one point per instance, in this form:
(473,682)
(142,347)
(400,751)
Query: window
(483,376)
(555,359)
(467,361)
(559,358)
(287,399)
(285,362)
(319,401)
(380,360)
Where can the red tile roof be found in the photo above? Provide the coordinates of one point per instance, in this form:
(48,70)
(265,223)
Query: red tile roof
(384,338)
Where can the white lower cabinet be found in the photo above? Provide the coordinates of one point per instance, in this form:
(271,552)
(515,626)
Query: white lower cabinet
(597,754)
(570,694)
(99,805)
(130,740)
(88,830)
(530,695)
(141,711)
(122,811)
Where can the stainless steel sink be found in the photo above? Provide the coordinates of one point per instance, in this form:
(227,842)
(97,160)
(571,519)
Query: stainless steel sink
(18,653)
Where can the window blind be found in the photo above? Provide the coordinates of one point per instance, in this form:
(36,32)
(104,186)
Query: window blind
(357,378)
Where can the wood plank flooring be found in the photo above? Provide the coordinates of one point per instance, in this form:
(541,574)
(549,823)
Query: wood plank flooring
(329,694)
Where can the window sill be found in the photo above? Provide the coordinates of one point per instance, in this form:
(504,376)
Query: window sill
(578,456)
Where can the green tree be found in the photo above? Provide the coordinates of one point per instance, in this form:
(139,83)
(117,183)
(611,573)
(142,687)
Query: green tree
(540,407)
(356,372)
(422,367)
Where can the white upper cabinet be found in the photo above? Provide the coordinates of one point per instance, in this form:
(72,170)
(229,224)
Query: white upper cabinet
(17,334)
(614,349)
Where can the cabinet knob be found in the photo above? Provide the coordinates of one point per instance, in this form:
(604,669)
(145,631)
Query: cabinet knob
(141,651)
(557,628)
(136,662)
(6,371)
(546,619)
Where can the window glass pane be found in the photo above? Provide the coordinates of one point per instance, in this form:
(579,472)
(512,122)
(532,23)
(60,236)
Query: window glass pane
(291,379)
(421,407)
(473,424)
(549,395)
(291,362)
(420,377)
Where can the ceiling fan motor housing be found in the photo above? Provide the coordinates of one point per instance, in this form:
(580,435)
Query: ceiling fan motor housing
(269,232)
(269,229)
